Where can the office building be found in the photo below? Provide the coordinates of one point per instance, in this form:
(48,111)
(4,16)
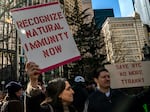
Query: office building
(101,15)
(124,38)
(87,4)
(143,8)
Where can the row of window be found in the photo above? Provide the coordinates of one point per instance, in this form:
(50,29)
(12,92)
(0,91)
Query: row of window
(130,58)
(126,51)
(124,38)
(124,32)
(122,25)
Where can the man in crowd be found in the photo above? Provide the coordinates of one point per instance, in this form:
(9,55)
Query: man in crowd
(105,99)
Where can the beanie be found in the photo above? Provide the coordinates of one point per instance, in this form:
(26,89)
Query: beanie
(13,87)
(79,79)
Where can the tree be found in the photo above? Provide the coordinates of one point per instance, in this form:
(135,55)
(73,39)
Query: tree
(89,43)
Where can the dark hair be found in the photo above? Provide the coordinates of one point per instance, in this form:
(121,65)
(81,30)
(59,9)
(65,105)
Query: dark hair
(54,88)
(98,71)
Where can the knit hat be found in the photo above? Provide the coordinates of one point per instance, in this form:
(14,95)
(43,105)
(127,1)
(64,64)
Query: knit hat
(79,79)
(13,87)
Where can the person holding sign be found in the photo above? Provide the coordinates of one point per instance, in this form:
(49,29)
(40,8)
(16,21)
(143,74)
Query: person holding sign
(57,97)
(105,99)
(34,92)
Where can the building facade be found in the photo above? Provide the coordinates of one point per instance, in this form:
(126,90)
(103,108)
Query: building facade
(124,38)
(143,8)
(87,4)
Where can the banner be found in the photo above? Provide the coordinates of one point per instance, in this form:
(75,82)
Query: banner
(45,35)
(124,75)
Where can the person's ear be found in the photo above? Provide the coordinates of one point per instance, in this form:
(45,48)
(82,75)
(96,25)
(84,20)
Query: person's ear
(60,96)
(96,80)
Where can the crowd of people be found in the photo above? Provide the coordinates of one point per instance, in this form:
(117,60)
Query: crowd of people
(62,96)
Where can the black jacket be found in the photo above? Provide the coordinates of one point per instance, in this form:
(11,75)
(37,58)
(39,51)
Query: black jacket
(80,97)
(33,100)
(12,104)
(49,107)
(116,102)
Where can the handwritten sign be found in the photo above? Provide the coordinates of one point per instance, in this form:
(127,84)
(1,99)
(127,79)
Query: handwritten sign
(45,35)
(126,75)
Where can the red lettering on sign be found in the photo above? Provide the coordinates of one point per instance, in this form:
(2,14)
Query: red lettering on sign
(52,51)
(43,29)
(132,81)
(122,66)
(135,72)
(136,65)
(123,74)
(37,20)
(46,41)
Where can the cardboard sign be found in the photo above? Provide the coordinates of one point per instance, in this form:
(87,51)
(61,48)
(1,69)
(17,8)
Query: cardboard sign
(45,35)
(125,75)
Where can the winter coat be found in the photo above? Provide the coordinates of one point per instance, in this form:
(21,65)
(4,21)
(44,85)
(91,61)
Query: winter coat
(57,107)
(79,97)
(12,104)
(33,100)
(116,102)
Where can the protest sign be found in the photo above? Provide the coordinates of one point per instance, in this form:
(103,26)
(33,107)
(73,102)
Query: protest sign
(125,75)
(45,35)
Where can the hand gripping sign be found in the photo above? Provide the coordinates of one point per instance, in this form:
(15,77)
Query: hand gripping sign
(45,35)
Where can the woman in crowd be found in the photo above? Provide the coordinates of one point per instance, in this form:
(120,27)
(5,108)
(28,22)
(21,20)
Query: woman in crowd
(59,97)
(59,94)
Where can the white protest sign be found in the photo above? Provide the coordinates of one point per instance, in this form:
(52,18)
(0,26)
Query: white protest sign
(45,35)
(125,75)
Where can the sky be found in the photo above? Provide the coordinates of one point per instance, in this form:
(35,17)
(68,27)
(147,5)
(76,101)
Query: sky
(122,8)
